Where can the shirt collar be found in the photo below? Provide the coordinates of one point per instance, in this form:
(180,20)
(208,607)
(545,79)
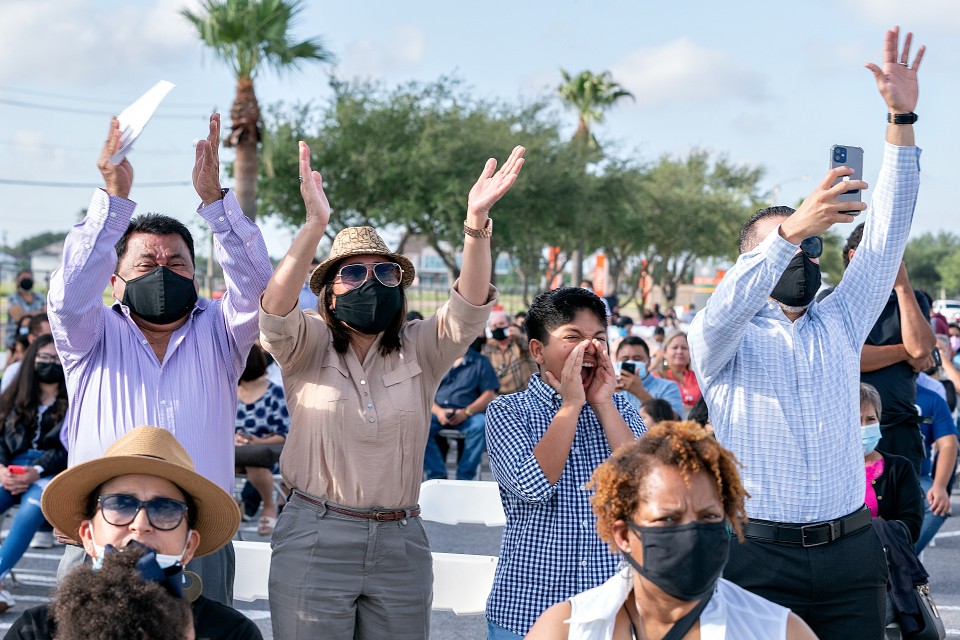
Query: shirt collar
(544,392)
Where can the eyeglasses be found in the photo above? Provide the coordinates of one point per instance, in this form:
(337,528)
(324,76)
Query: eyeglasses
(812,247)
(353,275)
(120,509)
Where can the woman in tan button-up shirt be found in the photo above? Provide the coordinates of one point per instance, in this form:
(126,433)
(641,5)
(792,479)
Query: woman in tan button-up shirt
(350,556)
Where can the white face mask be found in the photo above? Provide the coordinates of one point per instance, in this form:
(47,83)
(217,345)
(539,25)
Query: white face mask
(165,560)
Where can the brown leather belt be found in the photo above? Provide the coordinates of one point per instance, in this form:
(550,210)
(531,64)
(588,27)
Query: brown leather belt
(380,515)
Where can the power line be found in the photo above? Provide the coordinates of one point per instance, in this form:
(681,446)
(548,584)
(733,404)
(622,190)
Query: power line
(52,147)
(87,185)
(60,96)
(31,105)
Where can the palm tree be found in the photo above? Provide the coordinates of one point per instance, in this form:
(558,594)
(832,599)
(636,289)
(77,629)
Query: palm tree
(249,35)
(591,95)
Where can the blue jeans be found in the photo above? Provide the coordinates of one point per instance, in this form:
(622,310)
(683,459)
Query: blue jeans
(474,431)
(28,519)
(496,632)
(931,521)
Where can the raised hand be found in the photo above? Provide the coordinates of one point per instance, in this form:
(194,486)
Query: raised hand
(491,186)
(821,209)
(118,178)
(604,381)
(897,80)
(570,384)
(206,169)
(311,190)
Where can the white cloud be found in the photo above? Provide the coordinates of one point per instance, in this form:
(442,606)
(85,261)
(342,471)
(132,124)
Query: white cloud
(683,71)
(82,41)
(930,14)
(404,47)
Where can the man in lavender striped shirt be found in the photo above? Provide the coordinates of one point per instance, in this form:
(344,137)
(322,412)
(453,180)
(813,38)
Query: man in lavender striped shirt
(159,355)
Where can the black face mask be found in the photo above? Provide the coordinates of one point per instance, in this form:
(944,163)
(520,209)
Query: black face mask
(49,372)
(500,333)
(799,283)
(26,284)
(161,296)
(370,308)
(685,561)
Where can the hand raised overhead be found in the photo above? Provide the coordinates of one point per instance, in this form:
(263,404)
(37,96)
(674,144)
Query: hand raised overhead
(206,169)
(311,190)
(491,186)
(897,80)
(117,177)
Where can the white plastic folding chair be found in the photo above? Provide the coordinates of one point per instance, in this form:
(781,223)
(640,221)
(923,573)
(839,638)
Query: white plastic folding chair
(252,572)
(462,502)
(462,582)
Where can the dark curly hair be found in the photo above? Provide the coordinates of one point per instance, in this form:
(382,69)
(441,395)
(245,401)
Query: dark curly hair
(853,241)
(115,603)
(620,481)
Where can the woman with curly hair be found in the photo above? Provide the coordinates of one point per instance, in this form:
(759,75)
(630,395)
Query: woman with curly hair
(669,502)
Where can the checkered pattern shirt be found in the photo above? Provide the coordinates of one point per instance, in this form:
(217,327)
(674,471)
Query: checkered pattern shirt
(550,548)
(784,396)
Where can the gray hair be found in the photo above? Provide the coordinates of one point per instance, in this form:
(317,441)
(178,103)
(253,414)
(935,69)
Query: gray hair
(870,395)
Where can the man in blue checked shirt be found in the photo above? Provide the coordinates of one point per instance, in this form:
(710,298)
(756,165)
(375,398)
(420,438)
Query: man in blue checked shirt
(544,444)
(781,376)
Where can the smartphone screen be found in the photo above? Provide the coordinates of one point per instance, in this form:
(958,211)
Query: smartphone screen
(629,367)
(847,156)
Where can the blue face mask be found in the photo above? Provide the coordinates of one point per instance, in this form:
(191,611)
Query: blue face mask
(870,436)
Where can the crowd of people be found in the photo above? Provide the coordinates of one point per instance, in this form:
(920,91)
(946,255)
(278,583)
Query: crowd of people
(646,470)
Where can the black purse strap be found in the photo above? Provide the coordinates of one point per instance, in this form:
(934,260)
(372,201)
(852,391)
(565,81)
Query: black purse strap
(684,624)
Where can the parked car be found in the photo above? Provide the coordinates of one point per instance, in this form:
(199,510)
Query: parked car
(949,308)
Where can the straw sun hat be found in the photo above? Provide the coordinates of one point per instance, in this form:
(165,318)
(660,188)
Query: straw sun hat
(355,241)
(148,451)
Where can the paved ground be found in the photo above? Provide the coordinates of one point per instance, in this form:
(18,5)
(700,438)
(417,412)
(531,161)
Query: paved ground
(35,577)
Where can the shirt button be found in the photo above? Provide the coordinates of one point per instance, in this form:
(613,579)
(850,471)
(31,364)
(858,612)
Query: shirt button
(221,218)
(143,342)
(583,487)
(583,563)
(585,523)
(163,402)
(363,382)
(369,405)
(371,419)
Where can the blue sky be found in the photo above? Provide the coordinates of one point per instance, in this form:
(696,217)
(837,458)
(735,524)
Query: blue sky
(773,84)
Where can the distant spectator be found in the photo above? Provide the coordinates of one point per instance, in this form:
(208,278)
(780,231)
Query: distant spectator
(689,314)
(31,453)
(414,315)
(937,320)
(519,320)
(308,299)
(37,325)
(461,402)
(262,426)
(701,415)
(674,365)
(588,284)
(508,351)
(23,301)
(641,385)
(939,432)
(656,410)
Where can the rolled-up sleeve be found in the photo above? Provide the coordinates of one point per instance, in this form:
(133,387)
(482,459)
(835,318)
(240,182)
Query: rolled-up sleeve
(443,337)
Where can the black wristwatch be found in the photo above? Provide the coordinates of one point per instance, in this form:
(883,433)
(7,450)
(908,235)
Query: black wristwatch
(902,118)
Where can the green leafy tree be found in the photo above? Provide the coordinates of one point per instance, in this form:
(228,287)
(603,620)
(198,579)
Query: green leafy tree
(926,257)
(250,35)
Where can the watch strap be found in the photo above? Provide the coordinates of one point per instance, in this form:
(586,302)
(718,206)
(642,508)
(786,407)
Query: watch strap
(902,118)
(486,232)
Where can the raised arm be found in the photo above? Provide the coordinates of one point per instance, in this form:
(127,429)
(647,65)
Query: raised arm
(75,301)
(474,284)
(283,292)
(238,244)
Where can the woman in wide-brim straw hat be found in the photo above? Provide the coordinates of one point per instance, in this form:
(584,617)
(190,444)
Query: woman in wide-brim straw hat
(350,556)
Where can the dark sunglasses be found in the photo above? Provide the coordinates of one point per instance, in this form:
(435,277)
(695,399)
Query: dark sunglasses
(353,275)
(120,509)
(812,247)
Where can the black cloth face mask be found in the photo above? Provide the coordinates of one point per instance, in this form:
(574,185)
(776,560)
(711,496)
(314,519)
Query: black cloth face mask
(161,296)
(26,284)
(686,560)
(370,308)
(798,285)
(49,372)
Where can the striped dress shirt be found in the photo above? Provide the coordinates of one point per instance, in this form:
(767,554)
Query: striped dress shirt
(550,548)
(114,380)
(784,396)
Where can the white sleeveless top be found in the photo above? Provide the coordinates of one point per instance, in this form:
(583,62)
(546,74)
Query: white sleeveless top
(732,613)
